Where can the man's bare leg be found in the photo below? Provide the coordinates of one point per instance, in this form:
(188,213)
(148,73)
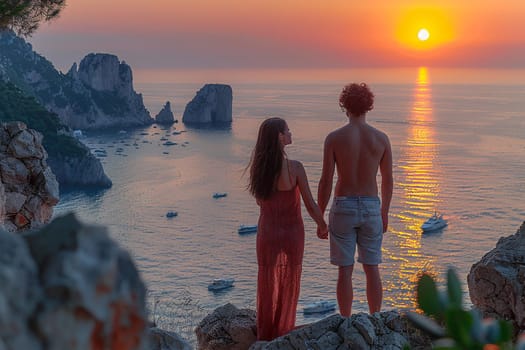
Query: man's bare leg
(374,288)
(345,291)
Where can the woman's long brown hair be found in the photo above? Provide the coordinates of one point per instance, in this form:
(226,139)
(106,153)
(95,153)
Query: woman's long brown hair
(267,158)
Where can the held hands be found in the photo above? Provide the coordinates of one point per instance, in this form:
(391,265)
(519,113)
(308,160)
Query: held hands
(322,230)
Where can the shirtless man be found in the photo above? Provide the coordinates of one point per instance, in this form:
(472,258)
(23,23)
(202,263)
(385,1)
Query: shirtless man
(357,217)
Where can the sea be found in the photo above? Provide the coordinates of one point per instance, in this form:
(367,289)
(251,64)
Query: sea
(458,142)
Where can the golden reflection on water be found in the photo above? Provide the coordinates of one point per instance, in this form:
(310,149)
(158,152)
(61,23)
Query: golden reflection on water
(419,181)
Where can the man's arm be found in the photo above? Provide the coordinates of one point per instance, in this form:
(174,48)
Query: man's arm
(325,183)
(387,183)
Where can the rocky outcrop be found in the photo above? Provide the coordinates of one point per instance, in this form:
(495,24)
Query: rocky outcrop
(211,105)
(165,116)
(497,282)
(382,330)
(230,328)
(75,172)
(227,328)
(69,286)
(30,187)
(69,159)
(98,95)
(163,340)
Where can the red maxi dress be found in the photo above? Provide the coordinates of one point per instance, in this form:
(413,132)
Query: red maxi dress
(280,248)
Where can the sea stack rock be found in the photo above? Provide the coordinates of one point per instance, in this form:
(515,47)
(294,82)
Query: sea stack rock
(212,104)
(497,282)
(30,187)
(165,116)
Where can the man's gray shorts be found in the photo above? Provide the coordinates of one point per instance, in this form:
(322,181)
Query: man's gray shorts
(355,220)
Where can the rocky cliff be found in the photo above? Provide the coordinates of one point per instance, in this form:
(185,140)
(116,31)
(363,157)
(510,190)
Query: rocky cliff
(73,171)
(99,94)
(211,105)
(69,159)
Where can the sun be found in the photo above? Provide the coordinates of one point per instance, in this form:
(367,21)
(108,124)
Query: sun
(423,34)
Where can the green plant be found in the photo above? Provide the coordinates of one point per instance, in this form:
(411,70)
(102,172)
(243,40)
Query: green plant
(453,326)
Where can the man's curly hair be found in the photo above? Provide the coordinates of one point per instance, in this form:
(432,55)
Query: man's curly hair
(356,99)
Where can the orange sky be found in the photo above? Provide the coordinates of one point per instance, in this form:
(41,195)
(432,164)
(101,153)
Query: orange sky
(289,33)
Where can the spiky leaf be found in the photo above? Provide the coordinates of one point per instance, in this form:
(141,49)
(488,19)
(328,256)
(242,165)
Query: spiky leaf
(455,295)
(428,296)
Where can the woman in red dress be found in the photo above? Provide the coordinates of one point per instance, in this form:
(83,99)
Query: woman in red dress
(278,183)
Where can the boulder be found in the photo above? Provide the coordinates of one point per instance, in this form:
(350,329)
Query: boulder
(20,293)
(497,282)
(92,295)
(163,340)
(69,286)
(227,327)
(30,189)
(165,116)
(212,104)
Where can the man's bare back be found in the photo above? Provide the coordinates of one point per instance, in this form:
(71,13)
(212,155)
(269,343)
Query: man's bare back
(357,149)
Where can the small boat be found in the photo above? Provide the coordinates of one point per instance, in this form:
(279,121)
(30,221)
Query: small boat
(435,222)
(321,306)
(171,214)
(219,194)
(220,284)
(245,229)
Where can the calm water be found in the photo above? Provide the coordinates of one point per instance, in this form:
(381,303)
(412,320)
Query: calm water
(458,149)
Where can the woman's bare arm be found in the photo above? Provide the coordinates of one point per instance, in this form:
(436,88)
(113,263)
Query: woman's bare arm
(306,194)
(327,175)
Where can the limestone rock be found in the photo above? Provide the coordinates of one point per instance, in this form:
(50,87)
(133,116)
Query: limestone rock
(497,282)
(93,297)
(164,340)
(69,286)
(19,293)
(30,187)
(227,328)
(212,104)
(383,330)
(165,116)
(86,171)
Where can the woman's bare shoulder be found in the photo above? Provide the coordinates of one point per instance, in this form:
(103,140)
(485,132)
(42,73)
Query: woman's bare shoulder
(295,164)
(296,167)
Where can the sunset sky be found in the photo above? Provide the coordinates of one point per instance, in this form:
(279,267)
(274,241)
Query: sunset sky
(289,33)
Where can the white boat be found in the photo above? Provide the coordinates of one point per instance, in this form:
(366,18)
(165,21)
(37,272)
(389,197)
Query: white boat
(171,214)
(245,229)
(219,194)
(435,222)
(220,284)
(321,306)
